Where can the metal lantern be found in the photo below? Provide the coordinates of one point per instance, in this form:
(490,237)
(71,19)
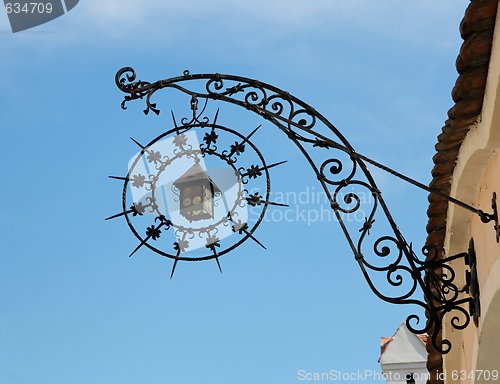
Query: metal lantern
(196,194)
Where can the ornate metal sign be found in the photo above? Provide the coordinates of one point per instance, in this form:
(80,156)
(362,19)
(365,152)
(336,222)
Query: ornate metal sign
(205,215)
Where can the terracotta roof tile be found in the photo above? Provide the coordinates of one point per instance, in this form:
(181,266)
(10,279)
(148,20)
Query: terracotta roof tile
(423,338)
(384,342)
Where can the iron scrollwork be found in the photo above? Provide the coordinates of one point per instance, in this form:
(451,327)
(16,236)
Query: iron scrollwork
(378,245)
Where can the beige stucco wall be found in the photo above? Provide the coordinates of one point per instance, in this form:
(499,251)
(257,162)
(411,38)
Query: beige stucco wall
(476,177)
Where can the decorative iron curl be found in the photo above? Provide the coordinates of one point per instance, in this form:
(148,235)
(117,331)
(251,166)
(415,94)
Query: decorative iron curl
(335,168)
(416,319)
(125,79)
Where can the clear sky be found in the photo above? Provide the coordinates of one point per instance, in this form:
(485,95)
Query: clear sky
(75,309)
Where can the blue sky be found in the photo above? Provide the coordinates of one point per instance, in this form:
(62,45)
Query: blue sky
(75,309)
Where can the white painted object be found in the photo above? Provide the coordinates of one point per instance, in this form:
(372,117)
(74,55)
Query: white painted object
(404,357)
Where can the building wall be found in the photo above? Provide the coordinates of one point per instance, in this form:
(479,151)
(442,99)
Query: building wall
(476,176)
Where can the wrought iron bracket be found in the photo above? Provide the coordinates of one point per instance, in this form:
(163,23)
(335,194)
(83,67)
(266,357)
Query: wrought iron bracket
(471,286)
(343,175)
(487,217)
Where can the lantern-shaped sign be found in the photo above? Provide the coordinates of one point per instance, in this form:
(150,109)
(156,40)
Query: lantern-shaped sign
(196,194)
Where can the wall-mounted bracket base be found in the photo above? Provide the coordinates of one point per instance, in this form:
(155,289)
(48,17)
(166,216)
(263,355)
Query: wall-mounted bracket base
(495,213)
(487,217)
(472,282)
(471,279)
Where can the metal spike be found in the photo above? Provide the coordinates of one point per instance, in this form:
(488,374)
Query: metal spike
(276,204)
(175,263)
(231,153)
(254,239)
(145,240)
(139,246)
(173,118)
(265,167)
(250,135)
(218,264)
(139,144)
(118,178)
(274,165)
(145,149)
(119,214)
(217,259)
